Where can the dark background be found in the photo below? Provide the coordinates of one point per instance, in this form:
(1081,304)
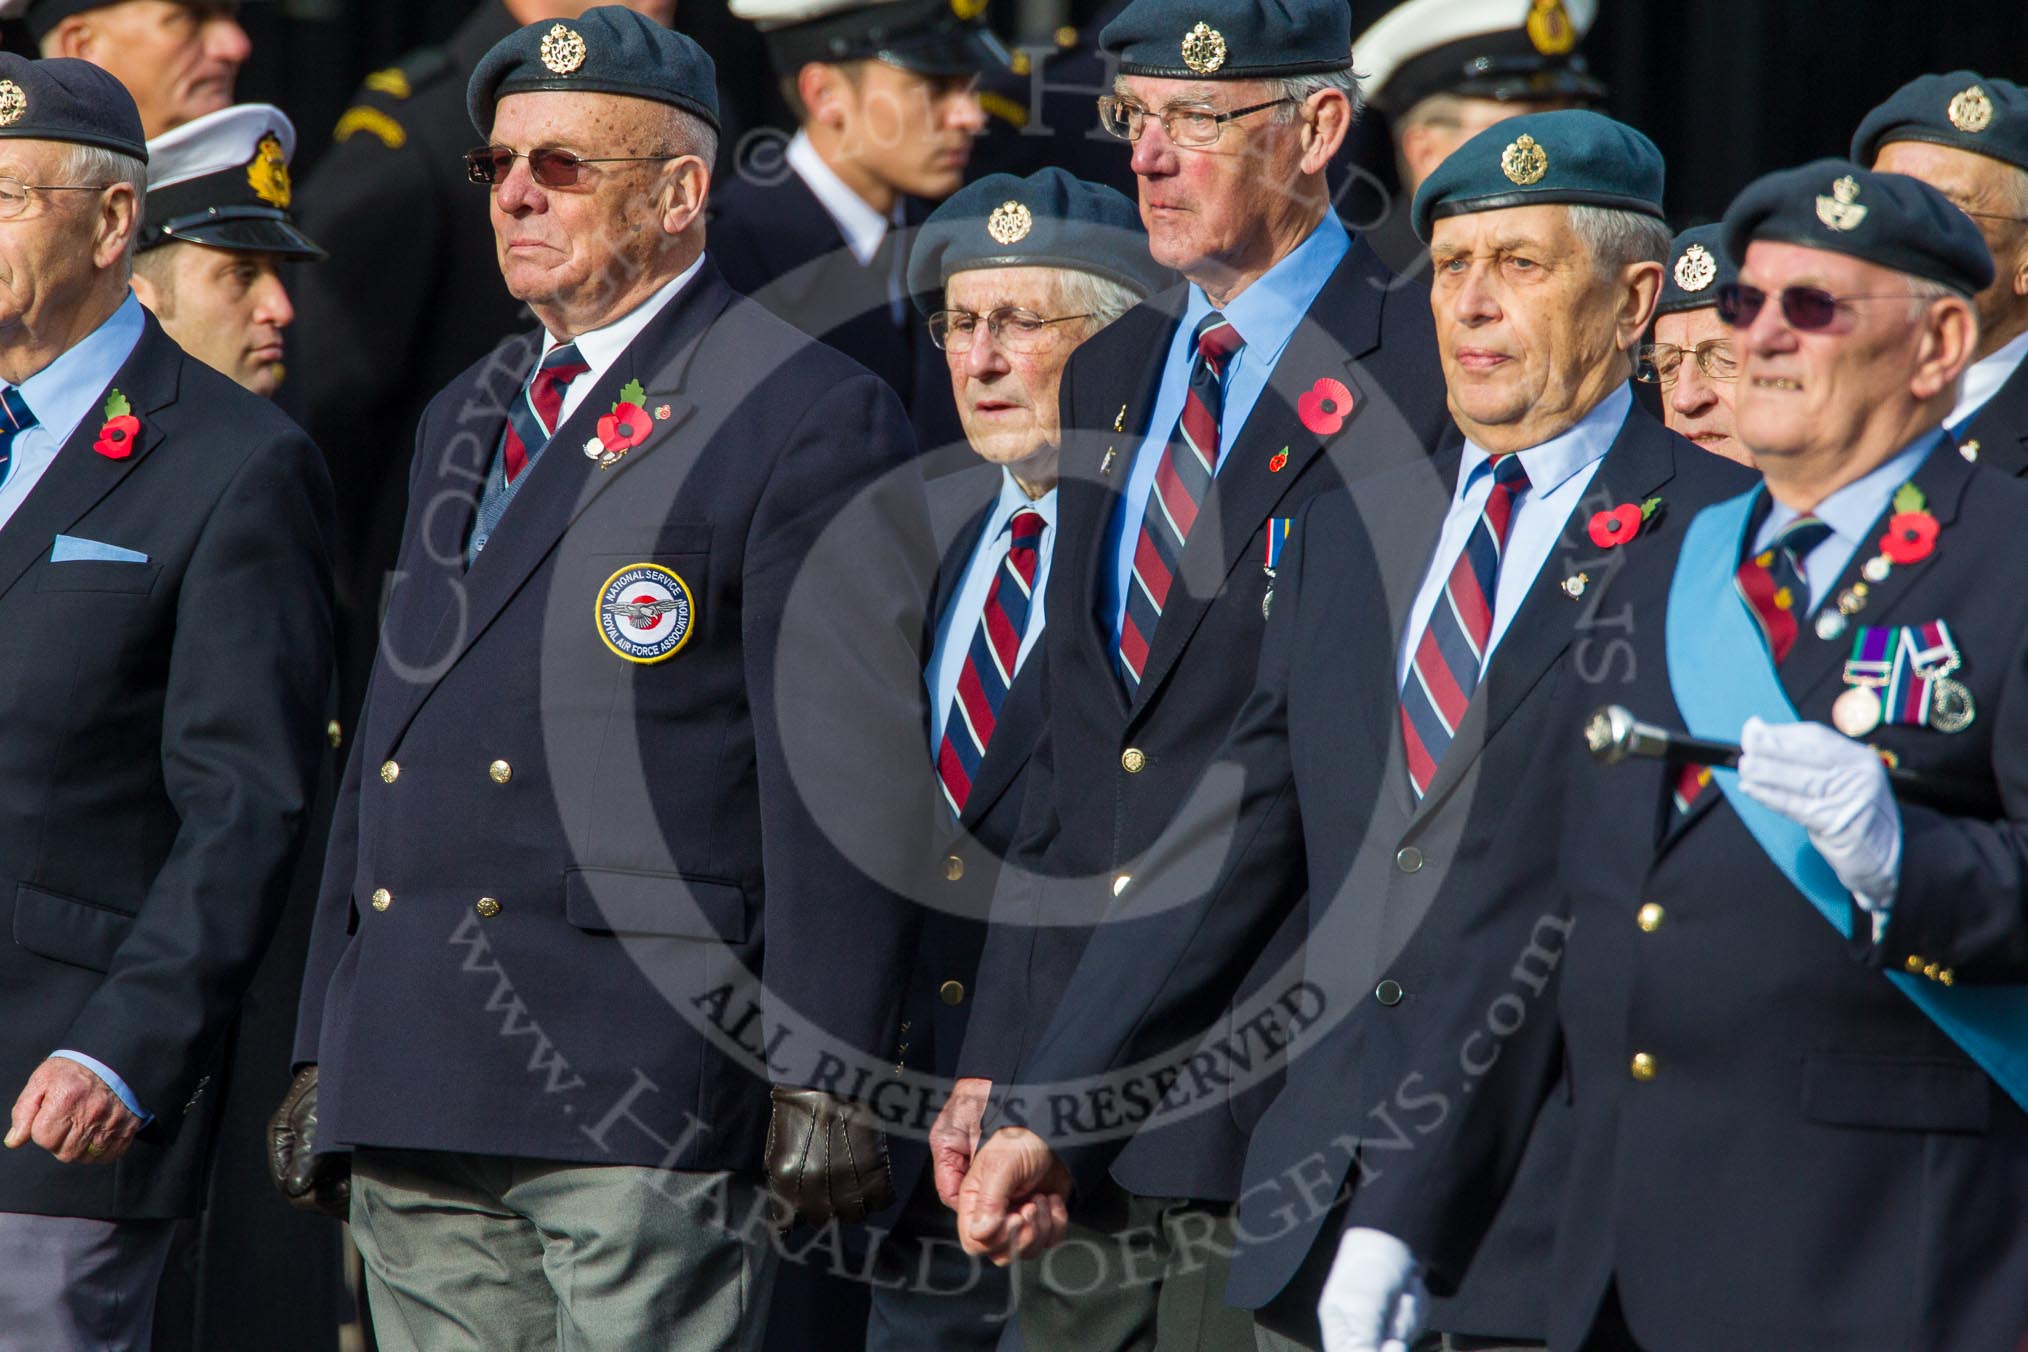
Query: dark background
(1727,88)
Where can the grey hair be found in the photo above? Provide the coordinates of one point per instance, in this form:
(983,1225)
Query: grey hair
(1617,238)
(99,165)
(1087,293)
(1298,88)
(696,136)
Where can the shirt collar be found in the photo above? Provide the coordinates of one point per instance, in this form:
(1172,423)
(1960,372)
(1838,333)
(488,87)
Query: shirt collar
(600,348)
(862,226)
(62,394)
(1268,312)
(1851,511)
(1985,378)
(1012,499)
(1553,462)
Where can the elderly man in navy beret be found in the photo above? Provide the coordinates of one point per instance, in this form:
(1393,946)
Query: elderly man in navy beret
(611,919)
(1692,358)
(1015,274)
(1789,1001)
(1966,135)
(165,592)
(1195,427)
(1409,871)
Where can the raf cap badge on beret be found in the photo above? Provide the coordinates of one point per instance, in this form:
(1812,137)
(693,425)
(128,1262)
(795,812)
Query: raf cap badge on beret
(1203,48)
(13,103)
(1696,268)
(1009,223)
(1841,210)
(563,51)
(1524,162)
(1971,111)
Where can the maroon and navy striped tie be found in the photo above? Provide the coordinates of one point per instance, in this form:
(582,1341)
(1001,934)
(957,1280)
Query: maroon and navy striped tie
(1452,652)
(990,661)
(1181,481)
(531,418)
(1778,592)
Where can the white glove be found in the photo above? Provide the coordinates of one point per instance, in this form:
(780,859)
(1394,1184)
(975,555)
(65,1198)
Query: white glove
(1836,789)
(1373,1300)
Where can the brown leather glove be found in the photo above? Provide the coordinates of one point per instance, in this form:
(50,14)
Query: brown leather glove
(826,1158)
(307,1181)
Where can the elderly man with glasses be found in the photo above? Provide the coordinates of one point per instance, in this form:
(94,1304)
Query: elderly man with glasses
(1967,136)
(1788,1006)
(1691,358)
(1195,427)
(166,599)
(617,834)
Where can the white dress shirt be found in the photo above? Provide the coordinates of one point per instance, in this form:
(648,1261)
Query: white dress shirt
(862,226)
(1559,472)
(1984,380)
(960,620)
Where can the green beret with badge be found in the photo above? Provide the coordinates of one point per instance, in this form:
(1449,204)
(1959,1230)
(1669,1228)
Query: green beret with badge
(1230,39)
(1698,266)
(1050,219)
(609,49)
(1961,109)
(1895,221)
(1571,157)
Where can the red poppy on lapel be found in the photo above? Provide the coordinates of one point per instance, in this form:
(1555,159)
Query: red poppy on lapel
(122,429)
(1324,406)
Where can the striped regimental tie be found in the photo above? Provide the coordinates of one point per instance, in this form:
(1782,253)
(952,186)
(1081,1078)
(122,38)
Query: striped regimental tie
(1451,655)
(1181,481)
(1778,593)
(532,417)
(990,661)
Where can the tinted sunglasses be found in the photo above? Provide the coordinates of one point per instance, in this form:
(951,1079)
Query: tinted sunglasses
(548,166)
(1806,308)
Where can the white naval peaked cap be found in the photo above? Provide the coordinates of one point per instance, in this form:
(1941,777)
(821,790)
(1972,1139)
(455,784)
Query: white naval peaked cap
(217,142)
(1510,31)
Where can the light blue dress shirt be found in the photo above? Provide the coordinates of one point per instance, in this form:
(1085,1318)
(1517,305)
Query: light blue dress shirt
(63,394)
(1266,315)
(1559,472)
(1850,513)
(960,620)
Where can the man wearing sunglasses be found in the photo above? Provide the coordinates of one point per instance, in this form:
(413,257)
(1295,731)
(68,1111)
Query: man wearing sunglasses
(1402,829)
(166,599)
(1788,1008)
(613,803)
(1195,427)
(1967,136)
(884,93)
(1691,358)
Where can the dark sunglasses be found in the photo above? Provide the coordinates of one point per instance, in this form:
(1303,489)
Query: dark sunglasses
(548,166)
(1806,308)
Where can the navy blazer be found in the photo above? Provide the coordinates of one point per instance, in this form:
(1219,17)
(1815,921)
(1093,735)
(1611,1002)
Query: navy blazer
(1110,773)
(777,243)
(1319,820)
(163,725)
(1997,435)
(1808,1143)
(570,868)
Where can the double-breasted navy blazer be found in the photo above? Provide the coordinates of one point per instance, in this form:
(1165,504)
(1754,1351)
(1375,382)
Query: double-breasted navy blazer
(557,875)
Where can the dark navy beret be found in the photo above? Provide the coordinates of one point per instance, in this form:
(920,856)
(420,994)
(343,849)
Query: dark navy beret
(1048,220)
(1963,110)
(932,37)
(608,49)
(62,99)
(1698,266)
(1230,39)
(1890,219)
(44,15)
(1573,156)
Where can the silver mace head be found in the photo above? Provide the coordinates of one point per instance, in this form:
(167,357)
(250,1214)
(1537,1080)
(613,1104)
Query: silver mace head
(1609,735)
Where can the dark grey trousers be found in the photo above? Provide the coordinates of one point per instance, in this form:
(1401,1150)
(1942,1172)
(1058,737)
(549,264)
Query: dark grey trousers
(68,1284)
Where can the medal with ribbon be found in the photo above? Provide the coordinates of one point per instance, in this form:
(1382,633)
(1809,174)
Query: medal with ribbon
(1858,711)
(1277,540)
(1932,655)
(1900,676)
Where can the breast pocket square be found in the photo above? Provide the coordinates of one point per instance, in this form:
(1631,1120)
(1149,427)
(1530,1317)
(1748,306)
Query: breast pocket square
(74,549)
